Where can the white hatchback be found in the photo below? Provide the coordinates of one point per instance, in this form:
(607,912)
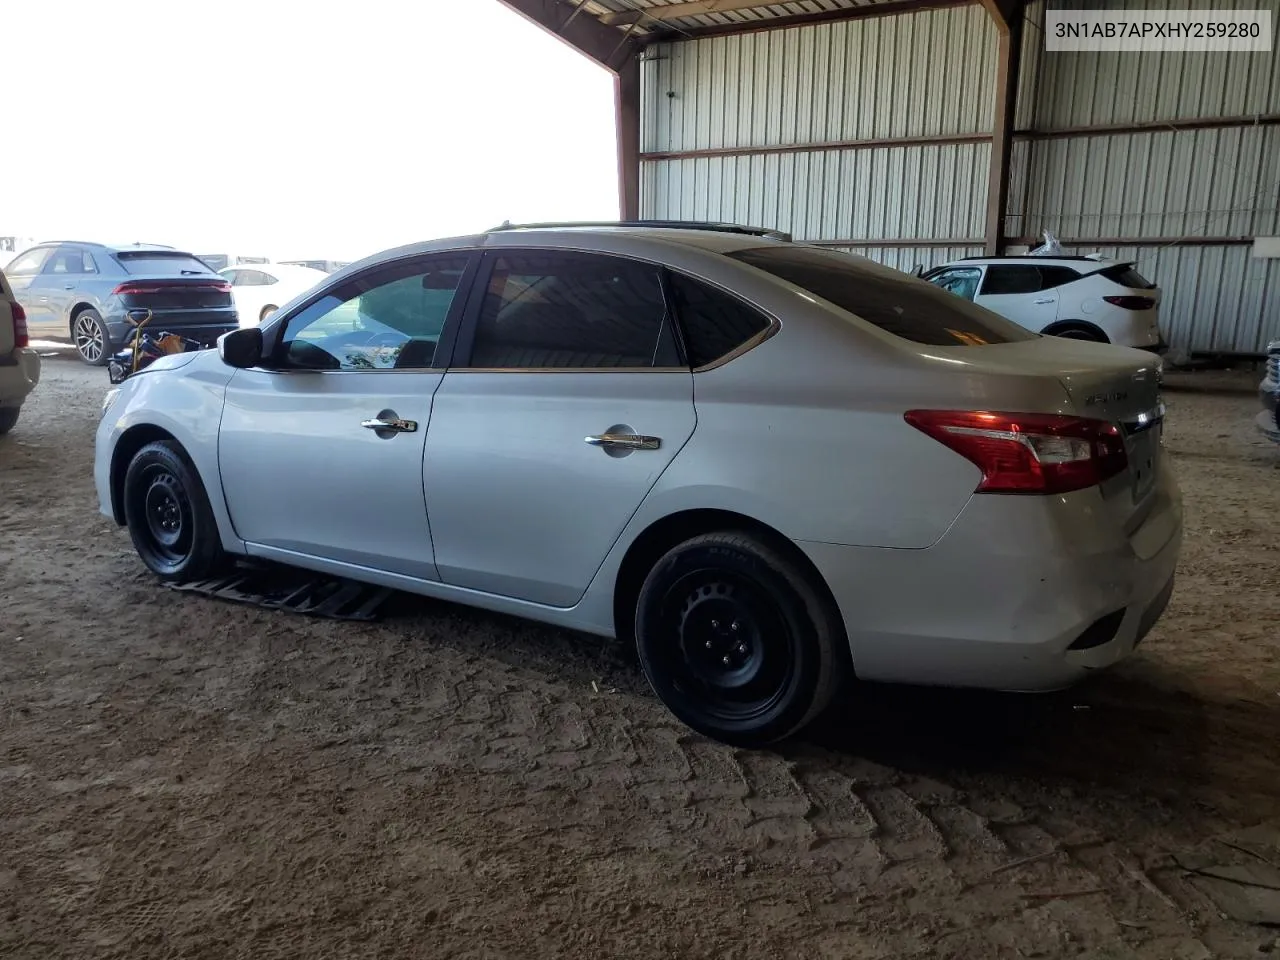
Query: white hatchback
(1107,301)
(261,289)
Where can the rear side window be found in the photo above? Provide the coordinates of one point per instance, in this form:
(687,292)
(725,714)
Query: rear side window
(1002,279)
(162,263)
(1005,278)
(571,310)
(1126,276)
(904,306)
(714,323)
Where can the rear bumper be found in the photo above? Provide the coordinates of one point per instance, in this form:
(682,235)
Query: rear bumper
(203,332)
(19,374)
(1007,599)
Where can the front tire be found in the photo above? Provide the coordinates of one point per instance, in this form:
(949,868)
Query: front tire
(90,336)
(736,640)
(168,515)
(8,419)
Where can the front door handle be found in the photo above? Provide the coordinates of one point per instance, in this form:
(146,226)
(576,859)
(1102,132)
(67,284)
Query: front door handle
(392,424)
(69,286)
(630,441)
(1050,300)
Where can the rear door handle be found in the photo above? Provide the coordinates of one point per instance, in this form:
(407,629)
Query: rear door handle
(631,441)
(397,425)
(1050,300)
(69,286)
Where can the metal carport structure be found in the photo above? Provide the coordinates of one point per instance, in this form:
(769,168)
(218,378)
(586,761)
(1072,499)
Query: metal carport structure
(914,131)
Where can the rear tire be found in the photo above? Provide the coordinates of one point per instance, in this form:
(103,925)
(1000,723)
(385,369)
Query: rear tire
(168,515)
(89,334)
(8,419)
(735,639)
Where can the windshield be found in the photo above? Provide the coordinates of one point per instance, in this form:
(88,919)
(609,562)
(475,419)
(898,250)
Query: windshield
(891,300)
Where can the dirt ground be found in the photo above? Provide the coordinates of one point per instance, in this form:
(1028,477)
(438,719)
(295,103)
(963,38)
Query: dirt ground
(187,777)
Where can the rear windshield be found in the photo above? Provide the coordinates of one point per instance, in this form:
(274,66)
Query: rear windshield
(895,302)
(162,263)
(1126,276)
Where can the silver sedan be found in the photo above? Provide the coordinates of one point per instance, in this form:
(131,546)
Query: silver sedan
(770,466)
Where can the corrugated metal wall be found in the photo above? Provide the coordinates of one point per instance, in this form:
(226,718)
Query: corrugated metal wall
(806,107)
(802,129)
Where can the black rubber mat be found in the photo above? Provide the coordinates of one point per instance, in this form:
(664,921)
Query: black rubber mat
(296,591)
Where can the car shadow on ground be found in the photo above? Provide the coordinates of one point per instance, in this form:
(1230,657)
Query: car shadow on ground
(1133,730)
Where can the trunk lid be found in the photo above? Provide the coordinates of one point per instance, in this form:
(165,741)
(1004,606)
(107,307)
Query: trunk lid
(1103,382)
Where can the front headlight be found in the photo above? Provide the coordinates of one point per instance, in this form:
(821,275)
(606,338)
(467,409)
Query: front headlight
(109,398)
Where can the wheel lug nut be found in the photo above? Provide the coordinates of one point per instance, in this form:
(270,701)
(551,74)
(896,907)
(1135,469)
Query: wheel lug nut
(708,644)
(715,624)
(742,648)
(726,661)
(734,626)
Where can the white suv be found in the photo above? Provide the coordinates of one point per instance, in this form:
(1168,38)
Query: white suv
(19,364)
(1077,297)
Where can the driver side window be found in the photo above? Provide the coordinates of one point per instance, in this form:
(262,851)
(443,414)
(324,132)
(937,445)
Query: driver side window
(389,319)
(962,282)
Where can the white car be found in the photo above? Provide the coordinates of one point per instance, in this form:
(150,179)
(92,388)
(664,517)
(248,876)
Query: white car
(765,464)
(263,288)
(1076,297)
(19,364)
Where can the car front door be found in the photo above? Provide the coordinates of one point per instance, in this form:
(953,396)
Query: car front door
(320,452)
(1017,291)
(962,281)
(65,274)
(30,290)
(565,402)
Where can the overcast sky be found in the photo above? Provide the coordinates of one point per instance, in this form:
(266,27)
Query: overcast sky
(294,128)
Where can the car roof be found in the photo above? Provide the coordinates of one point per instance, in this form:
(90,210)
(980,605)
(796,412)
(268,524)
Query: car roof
(648,237)
(111,247)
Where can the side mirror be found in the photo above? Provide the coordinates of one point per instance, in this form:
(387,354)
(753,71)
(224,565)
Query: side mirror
(241,348)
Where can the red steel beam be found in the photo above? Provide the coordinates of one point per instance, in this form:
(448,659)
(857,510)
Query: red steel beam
(607,46)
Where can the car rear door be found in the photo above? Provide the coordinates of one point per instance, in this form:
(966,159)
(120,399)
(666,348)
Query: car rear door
(65,274)
(321,451)
(564,404)
(1017,291)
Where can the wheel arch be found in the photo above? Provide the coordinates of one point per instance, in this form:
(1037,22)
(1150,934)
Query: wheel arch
(1059,327)
(78,309)
(130,442)
(674,528)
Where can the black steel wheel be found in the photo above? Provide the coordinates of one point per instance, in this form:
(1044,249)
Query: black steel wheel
(168,515)
(90,336)
(735,640)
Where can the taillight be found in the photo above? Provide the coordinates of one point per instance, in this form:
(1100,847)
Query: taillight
(1028,452)
(132,288)
(1131,303)
(21,337)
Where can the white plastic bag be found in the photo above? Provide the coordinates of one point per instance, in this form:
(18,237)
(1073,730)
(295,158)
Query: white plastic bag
(1050,248)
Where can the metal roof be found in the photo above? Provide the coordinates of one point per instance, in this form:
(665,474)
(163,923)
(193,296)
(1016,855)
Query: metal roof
(650,19)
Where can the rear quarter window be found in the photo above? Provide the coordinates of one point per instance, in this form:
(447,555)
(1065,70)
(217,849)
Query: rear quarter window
(906,307)
(159,263)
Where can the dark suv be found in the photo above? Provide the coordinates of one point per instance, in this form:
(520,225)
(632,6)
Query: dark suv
(82,291)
